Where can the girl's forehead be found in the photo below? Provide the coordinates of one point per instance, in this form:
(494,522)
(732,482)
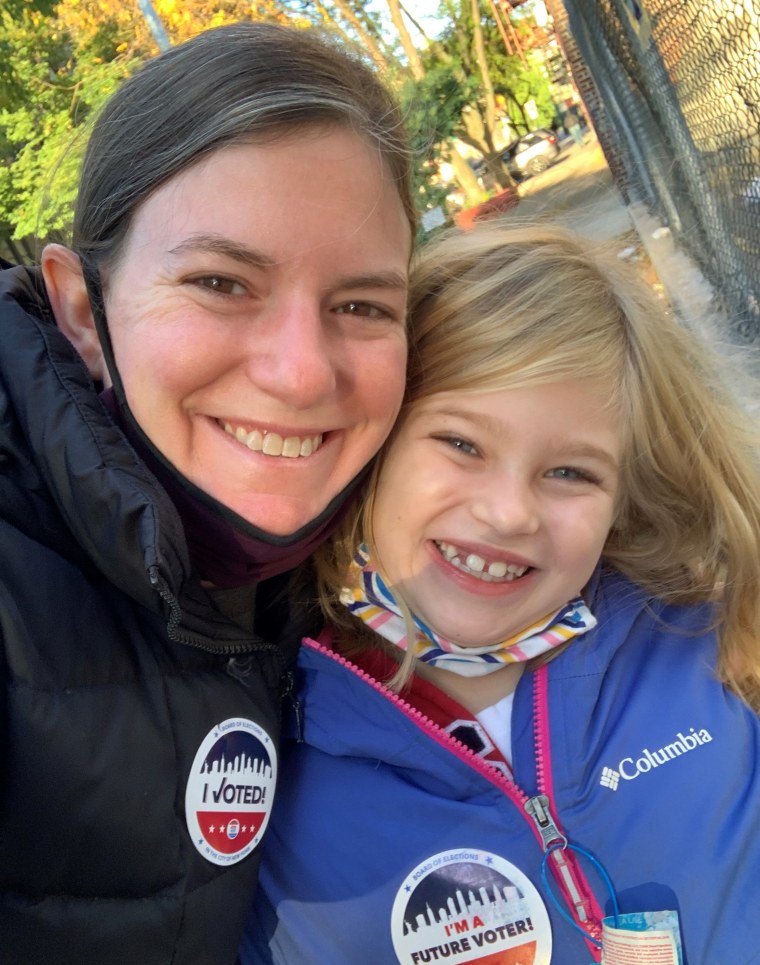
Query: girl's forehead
(604,391)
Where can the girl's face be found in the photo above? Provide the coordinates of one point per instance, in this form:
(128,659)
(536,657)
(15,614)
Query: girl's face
(257,320)
(492,509)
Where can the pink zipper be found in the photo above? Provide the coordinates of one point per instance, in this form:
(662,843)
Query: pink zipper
(571,880)
(433,731)
(537,811)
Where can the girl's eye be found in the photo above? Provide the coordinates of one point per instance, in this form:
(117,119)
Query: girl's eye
(572,475)
(220,284)
(460,444)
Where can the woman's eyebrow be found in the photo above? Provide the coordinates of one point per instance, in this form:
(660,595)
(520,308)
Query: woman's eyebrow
(220,245)
(380,279)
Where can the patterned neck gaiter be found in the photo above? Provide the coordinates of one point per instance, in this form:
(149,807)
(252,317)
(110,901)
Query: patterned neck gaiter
(368,598)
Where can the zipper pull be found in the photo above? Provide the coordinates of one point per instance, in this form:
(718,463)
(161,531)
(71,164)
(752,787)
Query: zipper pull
(538,808)
(556,848)
(289,691)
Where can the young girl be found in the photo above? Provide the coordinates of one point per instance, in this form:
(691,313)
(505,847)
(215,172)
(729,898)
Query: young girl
(532,712)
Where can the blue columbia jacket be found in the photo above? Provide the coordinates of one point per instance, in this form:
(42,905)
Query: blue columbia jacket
(391,842)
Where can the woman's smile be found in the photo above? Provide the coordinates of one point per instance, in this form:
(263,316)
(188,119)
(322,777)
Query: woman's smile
(258,322)
(272,443)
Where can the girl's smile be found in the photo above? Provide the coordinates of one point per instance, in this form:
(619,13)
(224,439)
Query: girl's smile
(496,571)
(492,508)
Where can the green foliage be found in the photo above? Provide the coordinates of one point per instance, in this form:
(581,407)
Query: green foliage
(47,94)
(453,61)
(61,59)
(450,101)
(519,84)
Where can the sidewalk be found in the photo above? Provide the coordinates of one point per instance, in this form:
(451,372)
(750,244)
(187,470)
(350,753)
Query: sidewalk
(579,192)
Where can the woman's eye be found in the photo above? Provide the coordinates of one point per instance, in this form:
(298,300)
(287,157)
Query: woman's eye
(362,310)
(220,284)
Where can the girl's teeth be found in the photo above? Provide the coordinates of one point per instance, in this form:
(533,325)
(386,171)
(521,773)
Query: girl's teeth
(476,565)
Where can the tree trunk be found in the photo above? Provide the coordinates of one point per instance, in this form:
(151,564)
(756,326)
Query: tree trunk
(328,18)
(417,25)
(465,178)
(412,56)
(366,38)
(485,75)
(477,135)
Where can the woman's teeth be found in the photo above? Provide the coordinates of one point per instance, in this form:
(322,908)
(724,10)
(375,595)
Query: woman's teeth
(272,444)
(476,566)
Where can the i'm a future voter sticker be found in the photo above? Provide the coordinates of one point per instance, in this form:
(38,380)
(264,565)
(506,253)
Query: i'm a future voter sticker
(470,906)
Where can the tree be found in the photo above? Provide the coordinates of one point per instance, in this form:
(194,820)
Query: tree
(521,80)
(412,56)
(60,63)
(456,96)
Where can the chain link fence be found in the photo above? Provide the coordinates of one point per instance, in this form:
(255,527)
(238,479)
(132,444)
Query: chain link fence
(676,101)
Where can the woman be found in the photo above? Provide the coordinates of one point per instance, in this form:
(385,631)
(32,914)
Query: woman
(236,288)
(522,738)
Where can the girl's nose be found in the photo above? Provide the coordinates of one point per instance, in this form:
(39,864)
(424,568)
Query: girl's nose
(507,505)
(293,357)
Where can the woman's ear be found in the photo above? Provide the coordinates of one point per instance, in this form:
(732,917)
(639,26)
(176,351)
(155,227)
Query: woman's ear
(64,281)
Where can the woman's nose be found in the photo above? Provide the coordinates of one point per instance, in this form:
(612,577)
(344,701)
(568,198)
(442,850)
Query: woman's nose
(507,505)
(293,357)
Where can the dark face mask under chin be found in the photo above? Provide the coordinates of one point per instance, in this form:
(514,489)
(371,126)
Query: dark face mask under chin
(226,550)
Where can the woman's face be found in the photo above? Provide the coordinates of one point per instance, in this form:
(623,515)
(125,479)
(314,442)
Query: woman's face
(257,320)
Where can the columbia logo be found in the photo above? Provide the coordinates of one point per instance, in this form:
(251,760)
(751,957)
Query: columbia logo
(630,768)
(610,778)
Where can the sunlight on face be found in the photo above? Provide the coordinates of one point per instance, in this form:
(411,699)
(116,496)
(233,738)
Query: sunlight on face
(492,509)
(258,321)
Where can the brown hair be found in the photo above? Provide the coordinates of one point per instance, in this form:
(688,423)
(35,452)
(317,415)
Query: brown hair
(240,83)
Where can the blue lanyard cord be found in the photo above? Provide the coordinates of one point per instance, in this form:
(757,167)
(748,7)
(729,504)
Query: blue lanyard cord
(560,906)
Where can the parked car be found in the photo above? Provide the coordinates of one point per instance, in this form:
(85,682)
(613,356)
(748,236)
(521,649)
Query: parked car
(531,154)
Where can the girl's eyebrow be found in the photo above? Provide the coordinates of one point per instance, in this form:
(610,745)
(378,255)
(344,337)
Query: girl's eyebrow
(560,446)
(586,450)
(220,245)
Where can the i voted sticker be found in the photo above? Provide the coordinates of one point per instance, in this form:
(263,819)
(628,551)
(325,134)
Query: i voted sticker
(470,906)
(230,790)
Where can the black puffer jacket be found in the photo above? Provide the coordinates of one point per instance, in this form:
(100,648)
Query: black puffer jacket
(137,723)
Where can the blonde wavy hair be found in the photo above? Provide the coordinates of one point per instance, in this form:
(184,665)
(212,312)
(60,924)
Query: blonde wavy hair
(503,307)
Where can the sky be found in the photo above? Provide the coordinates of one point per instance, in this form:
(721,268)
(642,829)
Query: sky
(425,11)
(422,10)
